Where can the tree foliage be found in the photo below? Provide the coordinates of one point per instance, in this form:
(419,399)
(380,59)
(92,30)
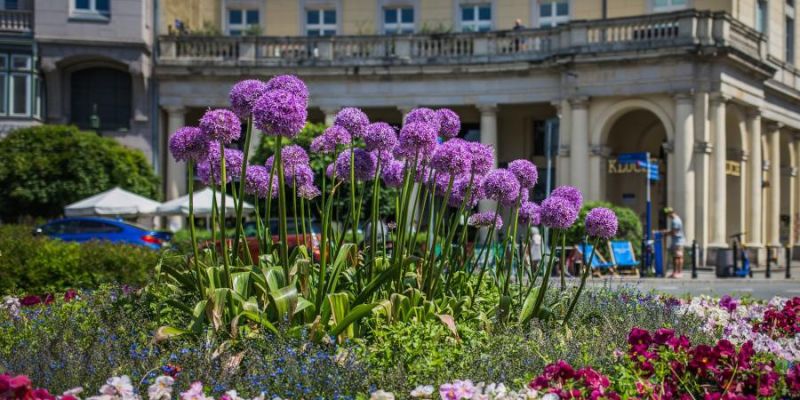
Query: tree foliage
(630,227)
(46,167)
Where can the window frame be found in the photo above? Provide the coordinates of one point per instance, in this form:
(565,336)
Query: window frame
(399,27)
(12,93)
(554,19)
(790,39)
(670,6)
(91,13)
(243,27)
(762,24)
(321,27)
(476,23)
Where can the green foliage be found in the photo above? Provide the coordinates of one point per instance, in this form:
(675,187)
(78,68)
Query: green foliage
(44,168)
(33,264)
(630,227)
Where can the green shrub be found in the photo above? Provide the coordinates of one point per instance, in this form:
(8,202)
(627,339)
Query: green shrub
(44,168)
(630,226)
(35,264)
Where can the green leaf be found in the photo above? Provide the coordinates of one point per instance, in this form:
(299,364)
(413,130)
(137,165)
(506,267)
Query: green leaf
(168,332)
(527,307)
(260,318)
(359,312)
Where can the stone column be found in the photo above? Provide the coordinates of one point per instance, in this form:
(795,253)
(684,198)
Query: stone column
(563,160)
(598,164)
(703,175)
(579,144)
(176,170)
(774,190)
(755,173)
(330,114)
(684,185)
(720,157)
(489,138)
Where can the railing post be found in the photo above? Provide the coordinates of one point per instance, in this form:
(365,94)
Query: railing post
(788,262)
(168,48)
(480,46)
(402,48)
(247,49)
(694,259)
(325,49)
(768,273)
(578,35)
(687,26)
(721,28)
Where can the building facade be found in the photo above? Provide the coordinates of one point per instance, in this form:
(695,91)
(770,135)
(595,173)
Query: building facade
(709,88)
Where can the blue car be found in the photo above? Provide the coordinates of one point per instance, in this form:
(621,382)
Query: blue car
(115,231)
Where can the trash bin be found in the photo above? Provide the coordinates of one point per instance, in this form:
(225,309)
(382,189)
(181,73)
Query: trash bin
(725,267)
(658,253)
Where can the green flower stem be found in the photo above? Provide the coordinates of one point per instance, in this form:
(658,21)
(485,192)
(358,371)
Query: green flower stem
(284,248)
(486,241)
(214,220)
(512,239)
(586,270)
(374,221)
(353,195)
(268,211)
(192,232)
(437,226)
(259,226)
(223,181)
(240,201)
(561,260)
(294,207)
(543,288)
(398,255)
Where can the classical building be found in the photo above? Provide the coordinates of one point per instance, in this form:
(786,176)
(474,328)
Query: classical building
(708,88)
(20,84)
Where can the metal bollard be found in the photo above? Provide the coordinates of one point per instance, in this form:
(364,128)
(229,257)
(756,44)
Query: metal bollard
(768,273)
(788,262)
(694,259)
(735,258)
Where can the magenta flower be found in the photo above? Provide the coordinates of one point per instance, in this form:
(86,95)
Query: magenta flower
(221,125)
(333,136)
(525,172)
(601,223)
(486,218)
(572,194)
(308,192)
(380,136)
(450,122)
(280,113)
(452,157)
(558,212)
(392,174)
(530,213)
(417,139)
(501,185)
(291,84)
(293,155)
(425,115)
(189,143)
(352,119)
(365,165)
(482,158)
(243,96)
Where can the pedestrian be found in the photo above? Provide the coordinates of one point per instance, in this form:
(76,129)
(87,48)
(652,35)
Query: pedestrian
(518,25)
(677,241)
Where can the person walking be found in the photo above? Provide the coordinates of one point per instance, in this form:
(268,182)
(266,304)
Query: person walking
(677,241)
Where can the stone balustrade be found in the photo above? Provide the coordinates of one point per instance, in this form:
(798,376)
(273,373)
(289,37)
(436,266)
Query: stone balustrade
(19,21)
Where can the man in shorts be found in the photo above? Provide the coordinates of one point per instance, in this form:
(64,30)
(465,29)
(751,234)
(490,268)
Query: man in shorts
(677,241)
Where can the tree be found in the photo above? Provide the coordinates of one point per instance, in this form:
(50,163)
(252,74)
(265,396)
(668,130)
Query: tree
(630,227)
(46,167)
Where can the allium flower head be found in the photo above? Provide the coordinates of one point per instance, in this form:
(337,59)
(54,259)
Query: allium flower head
(280,113)
(450,122)
(425,115)
(233,164)
(558,212)
(452,157)
(571,193)
(188,143)
(243,96)
(257,182)
(530,213)
(291,84)
(203,171)
(221,125)
(380,136)
(525,172)
(601,223)
(485,218)
(330,170)
(299,175)
(501,185)
(365,165)
(308,192)
(417,139)
(458,193)
(333,136)
(293,155)
(385,157)
(482,158)
(352,119)
(392,174)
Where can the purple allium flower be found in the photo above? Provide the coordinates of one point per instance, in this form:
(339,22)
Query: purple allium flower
(352,119)
(380,136)
(572,194)
(486,218)
(482,158)
(203,172)
(330,170)
(308,192)
(333,136)
(291,84)
(423,174)
(601,222)
(525,172)
(450,122)
(257,182)
(299,175)
(243,96)
(221,125)
(501,185)
(425,115)
(293,155)
(558,212)
(365,164)
(188,143)
(385,157)
(530,213)
(393,173)
(460,187)
(233,164)
(417,139)
(280,113)
(452,157)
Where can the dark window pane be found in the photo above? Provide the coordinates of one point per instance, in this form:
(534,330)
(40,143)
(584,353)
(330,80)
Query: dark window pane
(312,32)
(545,10)
(467,13)
(19,84)
(562,9)
(234,17)
(12,4)
(235,32)
(312,17)
(109,89)
(82,4)
(390,15)
(252,17)
(330,16)
(102,5)
(3,94)
(328,32)
(408,15)
(484,28)
(485,13)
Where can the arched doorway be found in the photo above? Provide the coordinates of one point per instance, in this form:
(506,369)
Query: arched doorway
(635,131)
(104,92)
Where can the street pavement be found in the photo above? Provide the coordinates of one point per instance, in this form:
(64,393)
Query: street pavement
(706,283)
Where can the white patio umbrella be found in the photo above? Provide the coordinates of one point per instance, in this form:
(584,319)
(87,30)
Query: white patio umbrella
(116,202)
(202,204)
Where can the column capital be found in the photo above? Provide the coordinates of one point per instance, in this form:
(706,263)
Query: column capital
(773,126)
(487,108)
(557,105)
(753,112)
(683,97)
(579,102)
(600,151)
(703,147)
(719,98)
(174,109)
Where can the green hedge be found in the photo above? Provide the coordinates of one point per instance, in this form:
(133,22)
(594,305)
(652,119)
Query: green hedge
(33,264)
(630,227)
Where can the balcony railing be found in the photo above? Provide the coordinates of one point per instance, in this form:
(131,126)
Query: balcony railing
(17,21)
(680,29)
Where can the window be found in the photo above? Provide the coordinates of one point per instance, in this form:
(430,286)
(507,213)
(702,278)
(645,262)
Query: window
(668,5)
(101,91)
(98,227)
(761,16)
(10,5)
(398,20)
(242,21)
(789,40)
(101,8)
(553,12)
(321,22)
(476,18)
(17,86)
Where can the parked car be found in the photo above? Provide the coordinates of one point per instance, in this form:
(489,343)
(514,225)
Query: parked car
(85,229)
